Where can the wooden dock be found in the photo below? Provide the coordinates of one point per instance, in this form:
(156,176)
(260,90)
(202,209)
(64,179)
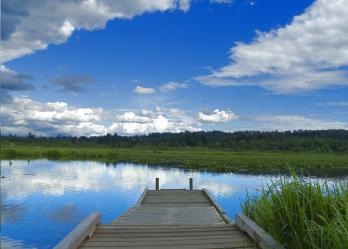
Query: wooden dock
(175,218)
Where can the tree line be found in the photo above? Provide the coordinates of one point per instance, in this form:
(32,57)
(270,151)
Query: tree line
(299,140)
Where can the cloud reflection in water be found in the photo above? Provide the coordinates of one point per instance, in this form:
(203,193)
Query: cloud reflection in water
(43,200)
(22,179)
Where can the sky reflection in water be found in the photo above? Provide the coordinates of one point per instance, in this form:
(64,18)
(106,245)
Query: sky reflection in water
(41,201)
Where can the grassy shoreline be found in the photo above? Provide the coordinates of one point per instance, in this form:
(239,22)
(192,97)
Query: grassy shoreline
(302,214)
(192,158)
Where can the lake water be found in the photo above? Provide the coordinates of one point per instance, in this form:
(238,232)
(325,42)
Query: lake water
(42,201)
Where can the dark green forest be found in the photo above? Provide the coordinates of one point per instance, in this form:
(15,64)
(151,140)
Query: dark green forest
(326,141)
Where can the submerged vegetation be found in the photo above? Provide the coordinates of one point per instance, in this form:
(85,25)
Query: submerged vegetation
(302,214)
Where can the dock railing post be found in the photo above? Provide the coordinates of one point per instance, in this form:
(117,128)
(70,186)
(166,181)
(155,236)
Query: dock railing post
(157,183)
(191,183)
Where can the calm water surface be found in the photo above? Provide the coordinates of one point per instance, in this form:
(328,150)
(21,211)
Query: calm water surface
(41,201)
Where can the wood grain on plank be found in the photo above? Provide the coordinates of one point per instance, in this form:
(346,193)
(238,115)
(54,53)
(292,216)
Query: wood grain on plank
(170,219)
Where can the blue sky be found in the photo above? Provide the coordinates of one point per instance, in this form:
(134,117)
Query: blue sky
(131,67)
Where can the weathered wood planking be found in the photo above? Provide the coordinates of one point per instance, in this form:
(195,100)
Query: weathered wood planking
(184,207)
(169,236)
(170,218)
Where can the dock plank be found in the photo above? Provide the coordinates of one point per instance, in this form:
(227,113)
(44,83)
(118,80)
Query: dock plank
(170,219)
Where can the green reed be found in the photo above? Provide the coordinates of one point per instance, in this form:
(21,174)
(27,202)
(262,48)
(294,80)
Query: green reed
(302,213)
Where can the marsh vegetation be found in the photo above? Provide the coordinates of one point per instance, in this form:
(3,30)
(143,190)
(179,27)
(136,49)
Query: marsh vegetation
(302,213)
(314,152)
(192,158)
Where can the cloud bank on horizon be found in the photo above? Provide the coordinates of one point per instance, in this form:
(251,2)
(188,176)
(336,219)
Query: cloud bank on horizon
(309,53)
(23,115)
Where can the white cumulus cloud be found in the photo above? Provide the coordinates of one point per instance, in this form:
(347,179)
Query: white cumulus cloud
(143,90)
(216,116)
(309,53)
(67,28)
(172,86)
(20,115)
(150,121)
(185,5)
(32,25)
(132,117)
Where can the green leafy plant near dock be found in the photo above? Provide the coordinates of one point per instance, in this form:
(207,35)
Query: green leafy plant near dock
(301,213)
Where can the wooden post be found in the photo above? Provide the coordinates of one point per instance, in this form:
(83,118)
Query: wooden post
(157,183)
(191,183)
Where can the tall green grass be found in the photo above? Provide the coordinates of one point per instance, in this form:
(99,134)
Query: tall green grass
(302,214)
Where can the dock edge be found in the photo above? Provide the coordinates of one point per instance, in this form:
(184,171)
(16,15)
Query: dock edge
(222,212)
(83,230)
(260,236)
